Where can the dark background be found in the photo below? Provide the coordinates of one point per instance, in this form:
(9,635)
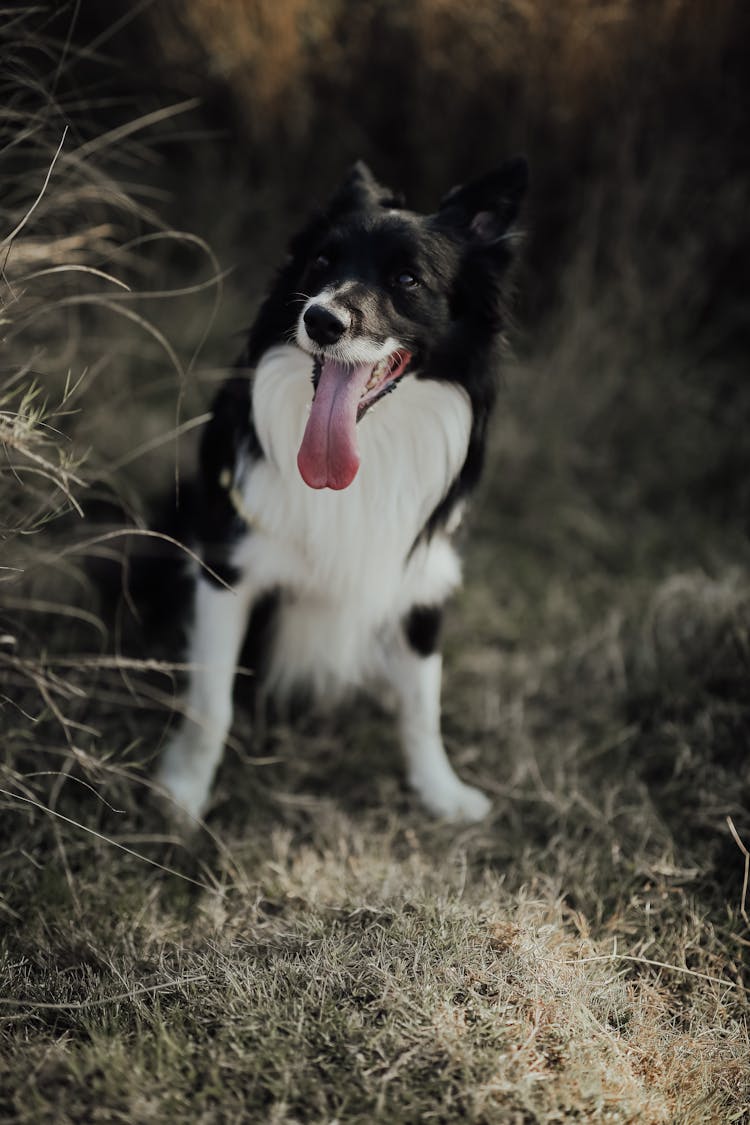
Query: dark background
(634,117)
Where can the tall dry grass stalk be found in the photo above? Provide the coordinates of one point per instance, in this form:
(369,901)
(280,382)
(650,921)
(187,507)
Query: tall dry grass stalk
(84,262)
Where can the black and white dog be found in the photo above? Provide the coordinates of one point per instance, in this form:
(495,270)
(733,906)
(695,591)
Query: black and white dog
(335,467)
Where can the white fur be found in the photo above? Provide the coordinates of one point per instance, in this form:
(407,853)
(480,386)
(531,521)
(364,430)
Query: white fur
(344,554)
(345,564)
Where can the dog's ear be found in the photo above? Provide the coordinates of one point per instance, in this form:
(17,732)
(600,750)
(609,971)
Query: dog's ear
(360,189)
(486,209)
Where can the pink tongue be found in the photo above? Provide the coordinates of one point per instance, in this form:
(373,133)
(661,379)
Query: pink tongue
(328,456)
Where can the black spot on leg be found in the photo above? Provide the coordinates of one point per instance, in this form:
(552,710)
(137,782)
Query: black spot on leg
(220,573)
(256,649)
(422,628)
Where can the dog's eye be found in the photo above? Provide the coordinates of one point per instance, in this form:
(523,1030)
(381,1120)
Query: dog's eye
(322,262)
(406,280)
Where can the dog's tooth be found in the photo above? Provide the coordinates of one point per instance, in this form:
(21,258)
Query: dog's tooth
(382,368)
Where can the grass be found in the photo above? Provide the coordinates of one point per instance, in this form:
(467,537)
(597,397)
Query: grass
(320,950)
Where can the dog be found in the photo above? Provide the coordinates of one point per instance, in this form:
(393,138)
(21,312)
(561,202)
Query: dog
(336,465)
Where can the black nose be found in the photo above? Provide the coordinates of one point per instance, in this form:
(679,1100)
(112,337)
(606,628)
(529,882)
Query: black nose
(323,326)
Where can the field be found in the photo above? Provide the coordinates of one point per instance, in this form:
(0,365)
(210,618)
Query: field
(320,950)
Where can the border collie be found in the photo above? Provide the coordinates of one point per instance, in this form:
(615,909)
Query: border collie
(335,467)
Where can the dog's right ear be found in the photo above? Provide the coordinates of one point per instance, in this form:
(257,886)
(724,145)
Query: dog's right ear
(360,189)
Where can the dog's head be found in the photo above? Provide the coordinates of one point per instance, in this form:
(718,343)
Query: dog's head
(378,293)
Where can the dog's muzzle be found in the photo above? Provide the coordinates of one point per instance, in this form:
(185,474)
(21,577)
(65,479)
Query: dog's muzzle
(323,326)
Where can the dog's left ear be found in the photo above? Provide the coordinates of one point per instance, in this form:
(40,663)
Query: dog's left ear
(361,189)
(486,209)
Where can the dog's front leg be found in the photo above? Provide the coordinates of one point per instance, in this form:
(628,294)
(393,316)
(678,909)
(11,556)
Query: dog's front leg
(414,670)
(193,754)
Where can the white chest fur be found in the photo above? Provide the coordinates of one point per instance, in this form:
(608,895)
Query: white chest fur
(344,557)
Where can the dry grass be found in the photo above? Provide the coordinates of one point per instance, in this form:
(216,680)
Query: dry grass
(321,951)
(354,983)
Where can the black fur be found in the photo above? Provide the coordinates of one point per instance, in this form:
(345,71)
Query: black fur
(229,434)
(422,628)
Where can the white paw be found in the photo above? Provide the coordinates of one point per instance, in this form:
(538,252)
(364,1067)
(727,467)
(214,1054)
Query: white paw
(184,777)
(453,800)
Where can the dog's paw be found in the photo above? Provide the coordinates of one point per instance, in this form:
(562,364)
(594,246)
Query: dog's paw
(454,800)
(186,788)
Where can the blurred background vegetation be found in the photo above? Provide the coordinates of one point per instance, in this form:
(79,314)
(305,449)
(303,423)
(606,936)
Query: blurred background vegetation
(635,120)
